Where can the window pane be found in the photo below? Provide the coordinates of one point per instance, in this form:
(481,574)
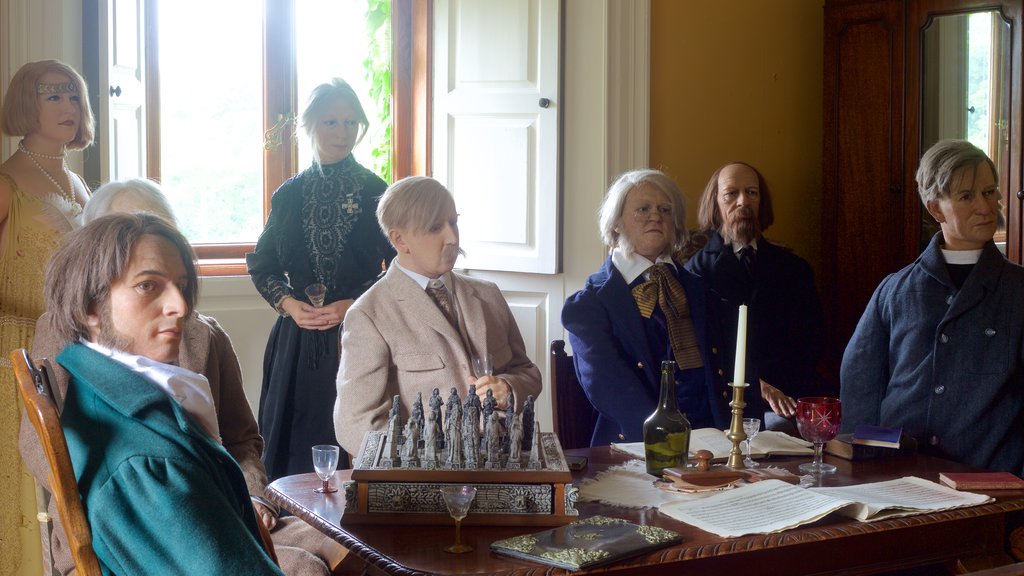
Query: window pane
(211,119)
(332,42)
(979,78)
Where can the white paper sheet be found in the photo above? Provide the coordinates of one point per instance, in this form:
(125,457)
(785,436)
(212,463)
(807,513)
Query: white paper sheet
(772,505)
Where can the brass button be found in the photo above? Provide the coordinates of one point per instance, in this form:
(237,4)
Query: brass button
(622,436)
(721,372)
(714,350)
(640,365)
(725,394)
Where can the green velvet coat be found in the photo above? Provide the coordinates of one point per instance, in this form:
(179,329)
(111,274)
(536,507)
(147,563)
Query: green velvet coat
(161,496)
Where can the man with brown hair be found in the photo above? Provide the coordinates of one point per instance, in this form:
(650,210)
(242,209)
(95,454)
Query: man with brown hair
(786,331)
(161,492)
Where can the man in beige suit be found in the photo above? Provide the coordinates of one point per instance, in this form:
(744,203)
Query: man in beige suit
(420,326)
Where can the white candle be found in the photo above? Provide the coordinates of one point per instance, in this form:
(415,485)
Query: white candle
(739,373)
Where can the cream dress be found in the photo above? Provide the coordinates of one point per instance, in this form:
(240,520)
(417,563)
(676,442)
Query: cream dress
(32,234)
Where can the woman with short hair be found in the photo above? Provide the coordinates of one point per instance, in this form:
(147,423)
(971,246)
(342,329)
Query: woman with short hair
(47,105)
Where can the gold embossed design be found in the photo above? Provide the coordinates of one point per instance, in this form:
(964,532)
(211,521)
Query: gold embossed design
(523,543)
(576,556)
(586,543)
(655,535)
(601,521)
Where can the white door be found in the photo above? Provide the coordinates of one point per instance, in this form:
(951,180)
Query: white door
(496,146)
(496,107)
(122,89)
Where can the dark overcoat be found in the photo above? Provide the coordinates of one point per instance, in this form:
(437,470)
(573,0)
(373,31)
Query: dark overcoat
(785,326)
(945,364)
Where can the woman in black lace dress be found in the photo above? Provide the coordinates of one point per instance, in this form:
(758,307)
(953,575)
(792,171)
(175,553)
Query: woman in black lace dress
(322,229)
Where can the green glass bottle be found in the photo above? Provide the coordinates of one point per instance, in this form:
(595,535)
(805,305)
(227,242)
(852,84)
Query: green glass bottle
(667,431)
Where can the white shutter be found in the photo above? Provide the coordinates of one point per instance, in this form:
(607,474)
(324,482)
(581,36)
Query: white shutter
(495,144)
(122,93)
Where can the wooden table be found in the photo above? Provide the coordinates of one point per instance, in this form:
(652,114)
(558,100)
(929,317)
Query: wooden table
(834,545)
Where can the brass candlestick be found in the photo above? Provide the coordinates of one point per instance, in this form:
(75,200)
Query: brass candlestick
(736,433)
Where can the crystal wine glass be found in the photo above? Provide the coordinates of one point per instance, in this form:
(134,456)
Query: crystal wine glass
(483,365)
(316,293)
(751,426)
(458,499)
(817,419)
(325,462)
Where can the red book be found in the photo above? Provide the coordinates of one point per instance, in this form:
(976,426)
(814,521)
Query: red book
(981,480)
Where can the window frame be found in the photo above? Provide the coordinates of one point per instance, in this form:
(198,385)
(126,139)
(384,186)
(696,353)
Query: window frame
(411,25)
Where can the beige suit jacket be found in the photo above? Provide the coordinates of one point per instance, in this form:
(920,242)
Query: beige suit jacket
(397,341)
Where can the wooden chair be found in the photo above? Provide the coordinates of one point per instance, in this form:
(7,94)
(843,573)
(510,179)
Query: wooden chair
(574,414)
(41,407)
(34,386)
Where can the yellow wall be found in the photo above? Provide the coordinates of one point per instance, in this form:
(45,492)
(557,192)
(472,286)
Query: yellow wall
(742,80)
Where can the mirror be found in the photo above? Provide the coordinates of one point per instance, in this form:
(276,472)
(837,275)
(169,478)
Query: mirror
(966,92)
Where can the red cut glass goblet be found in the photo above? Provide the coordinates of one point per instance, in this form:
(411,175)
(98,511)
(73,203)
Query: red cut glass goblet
(817,419)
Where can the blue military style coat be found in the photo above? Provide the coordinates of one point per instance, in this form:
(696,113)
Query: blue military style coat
(945,364)
(161,495)
(616,365)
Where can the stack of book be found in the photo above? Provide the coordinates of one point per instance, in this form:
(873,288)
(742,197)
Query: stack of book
(867,442)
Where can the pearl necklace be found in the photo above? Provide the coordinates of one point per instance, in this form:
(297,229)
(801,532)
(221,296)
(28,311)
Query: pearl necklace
(31,156)
(23,148)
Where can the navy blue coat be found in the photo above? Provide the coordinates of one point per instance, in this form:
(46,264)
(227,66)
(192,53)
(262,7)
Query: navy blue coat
(785,325)
(945,364)
(613,359)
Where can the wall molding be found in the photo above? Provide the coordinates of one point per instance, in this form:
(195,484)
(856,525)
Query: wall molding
(629,85)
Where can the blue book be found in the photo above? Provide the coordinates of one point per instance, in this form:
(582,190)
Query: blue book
(884,436)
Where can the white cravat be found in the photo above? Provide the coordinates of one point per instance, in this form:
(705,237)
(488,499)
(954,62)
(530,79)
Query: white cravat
(187,388)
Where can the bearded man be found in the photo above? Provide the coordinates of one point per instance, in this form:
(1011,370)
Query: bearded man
(785,327)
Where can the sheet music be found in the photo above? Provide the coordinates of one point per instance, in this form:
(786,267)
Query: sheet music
(772,505)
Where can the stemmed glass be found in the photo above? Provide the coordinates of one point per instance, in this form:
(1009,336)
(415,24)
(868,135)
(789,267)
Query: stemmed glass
(458,499)
(483,365)
(817,419)
(325,462)
(751,426)
(316,293)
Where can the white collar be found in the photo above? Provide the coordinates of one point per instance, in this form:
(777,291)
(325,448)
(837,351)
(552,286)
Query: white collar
(631,266)
(424,280)
(961,257)
(187,388)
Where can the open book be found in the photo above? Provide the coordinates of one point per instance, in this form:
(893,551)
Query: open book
(772,505)
(766,443)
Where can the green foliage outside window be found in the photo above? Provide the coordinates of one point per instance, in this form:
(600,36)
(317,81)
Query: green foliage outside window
(377,66)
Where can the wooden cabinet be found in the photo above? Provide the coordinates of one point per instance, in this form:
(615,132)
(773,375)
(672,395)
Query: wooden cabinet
(871,213)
